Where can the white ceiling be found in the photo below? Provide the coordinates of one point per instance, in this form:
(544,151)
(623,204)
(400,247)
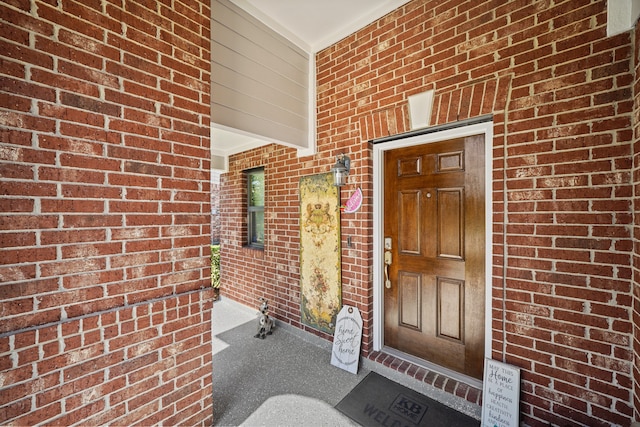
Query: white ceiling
(316,24)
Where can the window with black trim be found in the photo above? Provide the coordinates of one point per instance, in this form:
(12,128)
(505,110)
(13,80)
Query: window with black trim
(255,207)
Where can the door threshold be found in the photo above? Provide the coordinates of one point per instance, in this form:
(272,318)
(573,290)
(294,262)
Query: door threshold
(430,366)
(437,385)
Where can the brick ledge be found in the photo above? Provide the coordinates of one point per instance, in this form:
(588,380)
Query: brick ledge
(446,384)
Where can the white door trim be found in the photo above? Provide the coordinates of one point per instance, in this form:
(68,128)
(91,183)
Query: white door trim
(485,128)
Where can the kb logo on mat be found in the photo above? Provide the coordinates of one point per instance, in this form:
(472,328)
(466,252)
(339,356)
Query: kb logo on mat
(408,409)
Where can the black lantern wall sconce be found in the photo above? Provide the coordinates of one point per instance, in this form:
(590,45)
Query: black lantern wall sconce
(341,170)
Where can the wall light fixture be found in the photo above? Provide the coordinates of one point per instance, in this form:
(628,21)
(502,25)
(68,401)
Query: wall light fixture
(341,170)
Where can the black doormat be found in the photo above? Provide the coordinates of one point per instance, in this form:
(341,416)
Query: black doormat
(378,401)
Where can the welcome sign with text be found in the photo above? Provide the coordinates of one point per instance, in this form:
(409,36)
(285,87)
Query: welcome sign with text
(500,395)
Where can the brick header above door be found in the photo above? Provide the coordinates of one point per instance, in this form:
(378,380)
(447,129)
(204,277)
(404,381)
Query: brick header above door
(449,105)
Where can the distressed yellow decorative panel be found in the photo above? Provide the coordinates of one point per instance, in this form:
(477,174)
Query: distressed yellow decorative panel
(320,272)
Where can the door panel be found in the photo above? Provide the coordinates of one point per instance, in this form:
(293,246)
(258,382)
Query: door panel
(410,300)
(409,233)
(450,206)
(450,162)
(434,214)
(450,308)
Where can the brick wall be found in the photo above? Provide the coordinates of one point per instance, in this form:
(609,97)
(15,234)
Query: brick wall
(104,224)
(560,92)
(636,227)
(273,273)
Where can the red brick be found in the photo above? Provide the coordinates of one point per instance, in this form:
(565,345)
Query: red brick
(45,44)
(88,75)
(27,55)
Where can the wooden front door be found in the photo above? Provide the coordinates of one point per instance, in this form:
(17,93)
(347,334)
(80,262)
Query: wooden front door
(434,224)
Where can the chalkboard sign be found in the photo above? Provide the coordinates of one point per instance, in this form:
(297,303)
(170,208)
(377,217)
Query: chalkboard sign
(500,395)
(346,339)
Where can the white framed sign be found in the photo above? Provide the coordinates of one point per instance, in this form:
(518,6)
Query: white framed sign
(346,339)
(500,394)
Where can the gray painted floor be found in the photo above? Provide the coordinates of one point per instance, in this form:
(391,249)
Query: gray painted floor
(287,379)
(279,381)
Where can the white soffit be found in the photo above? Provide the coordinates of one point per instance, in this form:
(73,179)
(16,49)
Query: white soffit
(226,142)
(316,24)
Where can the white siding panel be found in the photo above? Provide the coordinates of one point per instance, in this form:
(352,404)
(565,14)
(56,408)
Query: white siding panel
(244,23)
(262,45)
(256,92)
(252,106)
(253,75)
(260,80)
(261,127)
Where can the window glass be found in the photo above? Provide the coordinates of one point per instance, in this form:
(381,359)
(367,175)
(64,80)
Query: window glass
(255,208)
(256,188)
(257,231)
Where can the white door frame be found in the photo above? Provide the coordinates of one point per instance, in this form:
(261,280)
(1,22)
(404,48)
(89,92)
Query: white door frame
(485,128)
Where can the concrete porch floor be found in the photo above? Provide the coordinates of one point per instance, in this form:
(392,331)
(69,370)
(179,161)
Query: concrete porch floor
(287,379)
